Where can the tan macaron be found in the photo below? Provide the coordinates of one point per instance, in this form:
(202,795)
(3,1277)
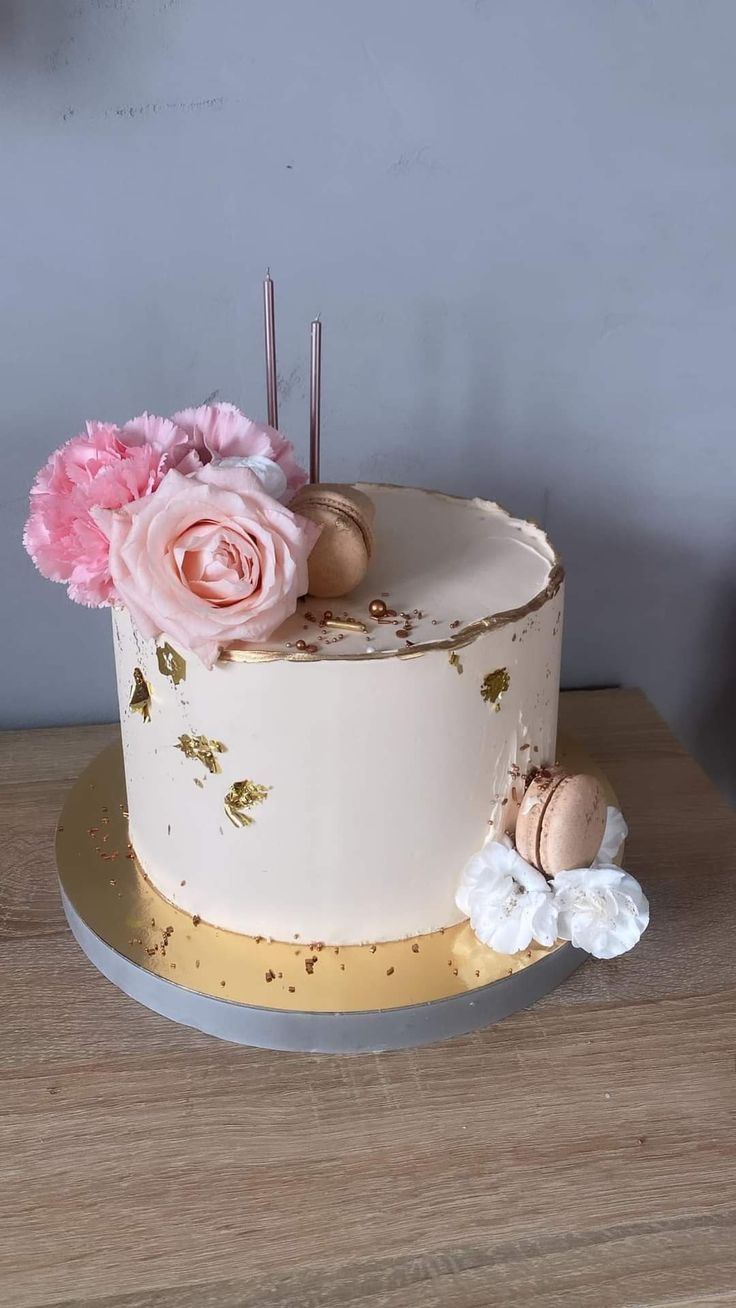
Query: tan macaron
(561,820)
(339,560)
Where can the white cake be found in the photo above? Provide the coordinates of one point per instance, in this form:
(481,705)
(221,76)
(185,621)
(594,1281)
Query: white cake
(334,793)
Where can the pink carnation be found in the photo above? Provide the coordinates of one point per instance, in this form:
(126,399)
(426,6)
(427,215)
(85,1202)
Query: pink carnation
(221,431)
(166,438)
(96,470)
(209,559)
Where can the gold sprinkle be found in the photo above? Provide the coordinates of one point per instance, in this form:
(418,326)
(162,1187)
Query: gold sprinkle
(389,971)
(494,685)
(345,624)
(202,750)
(140,700)
(270,976)
(170,663)
(292,990)
(456,663)
(241,797)
(415,948)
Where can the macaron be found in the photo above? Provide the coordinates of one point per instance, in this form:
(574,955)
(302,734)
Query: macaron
(339,560)
(561,820)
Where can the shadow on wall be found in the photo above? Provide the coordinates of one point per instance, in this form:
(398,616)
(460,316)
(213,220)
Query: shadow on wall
(639,609)
(73,38)
(714,699)
(36,36)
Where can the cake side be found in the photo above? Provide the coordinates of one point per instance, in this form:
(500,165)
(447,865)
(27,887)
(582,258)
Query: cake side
(336,797)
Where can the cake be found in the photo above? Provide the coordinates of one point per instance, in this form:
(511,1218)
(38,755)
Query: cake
(335,793)
(338,704)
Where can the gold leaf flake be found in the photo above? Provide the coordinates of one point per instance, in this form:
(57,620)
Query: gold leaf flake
(203,750)
(241,797)
(494,686)
(140,700)
(456,663)
(170,663)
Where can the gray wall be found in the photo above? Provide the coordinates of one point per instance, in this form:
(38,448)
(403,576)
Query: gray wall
(516,218)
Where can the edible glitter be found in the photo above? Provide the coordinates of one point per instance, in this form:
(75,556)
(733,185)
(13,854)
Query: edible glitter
(456,663)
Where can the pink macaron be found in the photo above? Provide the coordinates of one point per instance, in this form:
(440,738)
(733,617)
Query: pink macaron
(561,820)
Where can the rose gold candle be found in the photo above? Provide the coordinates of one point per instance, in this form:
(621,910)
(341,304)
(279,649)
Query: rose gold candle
(315,384)
(270,329)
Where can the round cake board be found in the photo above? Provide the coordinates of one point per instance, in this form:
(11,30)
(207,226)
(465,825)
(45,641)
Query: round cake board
(298,996)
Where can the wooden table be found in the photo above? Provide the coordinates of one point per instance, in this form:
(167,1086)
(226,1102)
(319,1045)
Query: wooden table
(579,1153)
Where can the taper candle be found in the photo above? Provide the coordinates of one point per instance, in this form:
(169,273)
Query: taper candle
(315,384)
(272,405)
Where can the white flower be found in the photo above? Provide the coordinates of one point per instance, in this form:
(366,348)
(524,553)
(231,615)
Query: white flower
(614,836)
(600,909)
(271,475)
(508,902)
(474,871)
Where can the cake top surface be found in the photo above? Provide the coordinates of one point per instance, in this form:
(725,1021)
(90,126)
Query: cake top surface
(445,567)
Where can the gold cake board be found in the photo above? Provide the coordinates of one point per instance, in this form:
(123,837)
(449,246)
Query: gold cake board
(276,995)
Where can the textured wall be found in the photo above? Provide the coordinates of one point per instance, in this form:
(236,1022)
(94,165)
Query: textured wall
(516,218)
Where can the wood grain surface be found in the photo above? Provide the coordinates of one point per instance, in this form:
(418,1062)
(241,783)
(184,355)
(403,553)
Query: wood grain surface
(581,1153)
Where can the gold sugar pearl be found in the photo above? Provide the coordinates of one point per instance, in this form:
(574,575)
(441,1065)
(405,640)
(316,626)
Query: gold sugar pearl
(301,644)
(327,615)
(377,608)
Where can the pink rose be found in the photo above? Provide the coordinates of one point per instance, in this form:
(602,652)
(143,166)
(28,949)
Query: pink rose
(95,470)
(221,431)
(209,559)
